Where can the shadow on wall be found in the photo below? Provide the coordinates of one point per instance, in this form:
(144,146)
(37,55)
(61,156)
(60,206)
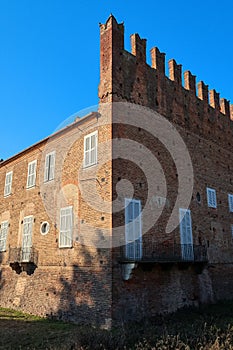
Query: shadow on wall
(1,279)
(85,296)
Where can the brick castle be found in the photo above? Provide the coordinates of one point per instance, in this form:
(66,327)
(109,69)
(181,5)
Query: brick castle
(67,256)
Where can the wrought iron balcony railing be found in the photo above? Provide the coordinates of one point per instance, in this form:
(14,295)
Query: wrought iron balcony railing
(23,255)
(162,252)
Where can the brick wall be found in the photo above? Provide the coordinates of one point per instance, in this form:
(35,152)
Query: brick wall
(204,122)
(68,283)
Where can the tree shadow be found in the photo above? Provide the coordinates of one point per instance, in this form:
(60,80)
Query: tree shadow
(2,282)
(85,297)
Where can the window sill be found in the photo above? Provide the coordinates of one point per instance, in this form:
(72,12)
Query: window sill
(7,195)
(89,166)
(50,180)
(66,247)
(30,187)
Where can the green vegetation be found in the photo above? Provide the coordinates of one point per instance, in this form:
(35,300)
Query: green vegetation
(207,328)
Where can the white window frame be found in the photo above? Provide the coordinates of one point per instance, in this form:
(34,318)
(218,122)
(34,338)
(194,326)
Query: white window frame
(8,183)
(49,170)
(88,152)
(133,230)
(66,232)
(27,237)
(211,197)
(3,235)
(31,178)
(186,235)
(230,202)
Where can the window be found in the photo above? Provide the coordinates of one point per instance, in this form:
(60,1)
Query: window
(27,238)
(186,236)
(8,183)
(44,228)
(49,166)
(90,149)
(66,227)
(211,197)
(3,235)
(31,180)
(230,202)
(133,229)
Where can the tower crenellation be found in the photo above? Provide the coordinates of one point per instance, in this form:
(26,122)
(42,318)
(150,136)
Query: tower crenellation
(175,71)
(225,107)
(158,60)
(126,76)
(190,82)
(214,99)
(203,91)
(138,47)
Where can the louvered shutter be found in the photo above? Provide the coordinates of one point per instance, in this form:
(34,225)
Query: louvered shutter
(27,238)
(52,166)
(230,202)
(90,149)
(211,197)
(93,149)
(87,147)
(49,172)
(186,237)
(31,180)
(8,183)
(46,170)
(3,235)
(66,227)
(137,228)
(133,238)
(129,229)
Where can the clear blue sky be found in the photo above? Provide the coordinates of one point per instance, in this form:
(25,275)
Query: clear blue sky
(49,55)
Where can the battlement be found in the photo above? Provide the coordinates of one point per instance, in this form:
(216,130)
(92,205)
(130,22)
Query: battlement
(126,76)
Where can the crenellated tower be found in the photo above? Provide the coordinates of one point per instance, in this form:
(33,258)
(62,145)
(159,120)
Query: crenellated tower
(126,76)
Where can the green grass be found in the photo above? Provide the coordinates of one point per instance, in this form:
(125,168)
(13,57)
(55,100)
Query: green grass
(207,328)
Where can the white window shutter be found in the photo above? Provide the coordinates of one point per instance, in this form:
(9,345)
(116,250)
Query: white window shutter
(52,166)
(211,197)
(3,235)
(133,234)
(27,238)
(31,180)
(66,227)
(86,150)
(90,149)
(8,183)
(186,237)
(93,149)
(46,170)
(182,223)
(230,202)
(128,221)
(49,172)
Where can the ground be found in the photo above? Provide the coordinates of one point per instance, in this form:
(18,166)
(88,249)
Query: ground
(210,327)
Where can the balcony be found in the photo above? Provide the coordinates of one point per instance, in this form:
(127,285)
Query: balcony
(164,253)
(23,259)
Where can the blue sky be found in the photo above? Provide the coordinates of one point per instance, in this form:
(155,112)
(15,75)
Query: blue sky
(49,55)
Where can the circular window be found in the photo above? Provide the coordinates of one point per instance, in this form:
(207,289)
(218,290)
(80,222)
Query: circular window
(44,228)
(198,196)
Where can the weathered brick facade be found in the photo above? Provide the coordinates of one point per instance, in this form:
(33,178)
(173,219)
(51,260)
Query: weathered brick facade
(95,280)
(204,123)
(69,283)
